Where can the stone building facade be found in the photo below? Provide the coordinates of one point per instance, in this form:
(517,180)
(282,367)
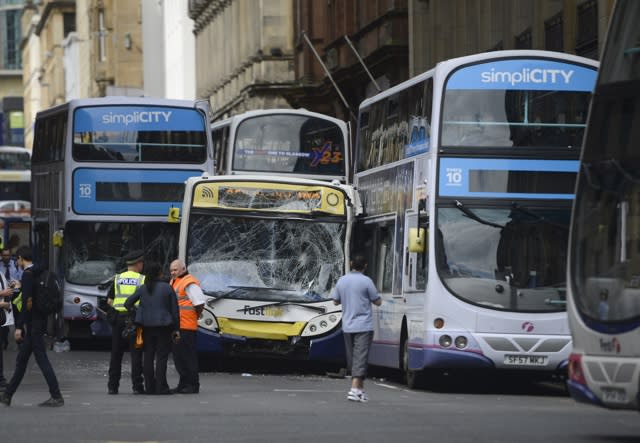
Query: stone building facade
(244,53)
(257,53)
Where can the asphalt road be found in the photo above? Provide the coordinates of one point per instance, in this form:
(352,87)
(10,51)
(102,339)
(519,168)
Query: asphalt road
(271,401)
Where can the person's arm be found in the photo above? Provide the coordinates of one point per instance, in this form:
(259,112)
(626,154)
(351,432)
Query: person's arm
(130,302)
(111,294)
(196,296)
(336,295)
(373,294)
(27,293)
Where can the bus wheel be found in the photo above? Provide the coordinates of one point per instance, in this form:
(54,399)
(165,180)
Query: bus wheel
(413,379)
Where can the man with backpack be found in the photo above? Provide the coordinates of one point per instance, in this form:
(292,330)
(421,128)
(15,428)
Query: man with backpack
(30,327)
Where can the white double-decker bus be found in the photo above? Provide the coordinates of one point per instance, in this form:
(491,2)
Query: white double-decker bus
(604,249)
(105,172)
(466,175)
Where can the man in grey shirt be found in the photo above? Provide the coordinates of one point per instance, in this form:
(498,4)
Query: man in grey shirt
(356,292)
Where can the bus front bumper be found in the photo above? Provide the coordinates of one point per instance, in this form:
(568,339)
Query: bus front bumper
(329,347)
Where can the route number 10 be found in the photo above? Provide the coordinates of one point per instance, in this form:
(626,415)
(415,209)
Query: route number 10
(454,176)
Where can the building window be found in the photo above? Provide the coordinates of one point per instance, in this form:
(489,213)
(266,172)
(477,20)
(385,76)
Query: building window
(524,40)
(10,39)
(553,37)
(102,37)
(69,22)
(587,35)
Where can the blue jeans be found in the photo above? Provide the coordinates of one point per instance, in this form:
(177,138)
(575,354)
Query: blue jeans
(33,343)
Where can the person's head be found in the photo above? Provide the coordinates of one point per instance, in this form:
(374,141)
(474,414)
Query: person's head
(135,260)
(152,273)
(177,268)
(6,255)
(358,263)
(24,256)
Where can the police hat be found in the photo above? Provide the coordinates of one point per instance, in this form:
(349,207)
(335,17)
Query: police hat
(134,257)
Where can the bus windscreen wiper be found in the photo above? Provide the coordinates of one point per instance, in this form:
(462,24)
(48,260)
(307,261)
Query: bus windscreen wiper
(538,218)
(320,309)
(472,215)
(221,294)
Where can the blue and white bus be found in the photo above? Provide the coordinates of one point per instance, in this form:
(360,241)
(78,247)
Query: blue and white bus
(604,253)
(466,174)
(105,172)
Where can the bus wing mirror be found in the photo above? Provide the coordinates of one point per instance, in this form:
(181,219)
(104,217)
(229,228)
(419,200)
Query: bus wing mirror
(174,215)
(417,240)
(58,238)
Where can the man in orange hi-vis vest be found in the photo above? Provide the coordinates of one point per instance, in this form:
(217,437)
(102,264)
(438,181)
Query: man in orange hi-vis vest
(190,303)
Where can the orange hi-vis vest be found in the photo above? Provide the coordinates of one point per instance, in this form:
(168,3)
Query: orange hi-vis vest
(188,315)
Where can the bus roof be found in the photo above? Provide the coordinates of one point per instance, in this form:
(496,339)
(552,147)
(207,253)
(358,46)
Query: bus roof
(447,65)
(124,100)
(259,112)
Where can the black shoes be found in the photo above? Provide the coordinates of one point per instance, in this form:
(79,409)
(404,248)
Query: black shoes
(138,392)
(185,390)
(53,402)
(113,391)
(5,399)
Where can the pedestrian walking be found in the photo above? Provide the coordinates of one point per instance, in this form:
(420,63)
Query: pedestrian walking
(124,285)
(356,292)
(158,316)
(6,320)
(190,304)
(12,274)
(29,333)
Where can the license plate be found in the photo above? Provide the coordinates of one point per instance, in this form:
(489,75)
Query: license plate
(525,360)
(614,395)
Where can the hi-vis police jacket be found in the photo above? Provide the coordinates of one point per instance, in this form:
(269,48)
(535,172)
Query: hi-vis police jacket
(124,285)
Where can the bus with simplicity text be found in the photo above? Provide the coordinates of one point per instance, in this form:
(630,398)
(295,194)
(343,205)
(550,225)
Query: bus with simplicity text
(466,174)
(604,248)
(105,172)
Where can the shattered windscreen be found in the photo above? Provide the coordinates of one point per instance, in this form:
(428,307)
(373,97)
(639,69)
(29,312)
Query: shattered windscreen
(272,259)
(94,250)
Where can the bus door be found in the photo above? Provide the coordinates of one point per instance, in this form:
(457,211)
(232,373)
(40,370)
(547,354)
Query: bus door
(414,275)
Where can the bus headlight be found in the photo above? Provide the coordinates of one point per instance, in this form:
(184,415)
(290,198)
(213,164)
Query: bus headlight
(445,341)
(86,309)
(208,321)
(322,324)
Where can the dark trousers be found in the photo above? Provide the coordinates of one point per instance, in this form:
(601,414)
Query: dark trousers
(118,346)
(185,358)
(157,346)
(4,338)
(3,381)
(33,343)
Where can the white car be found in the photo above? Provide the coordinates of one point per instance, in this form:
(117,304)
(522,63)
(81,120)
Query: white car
(18,207)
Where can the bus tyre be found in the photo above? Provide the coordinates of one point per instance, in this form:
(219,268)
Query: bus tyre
(413,379)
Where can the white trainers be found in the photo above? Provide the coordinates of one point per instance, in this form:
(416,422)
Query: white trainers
(356,395)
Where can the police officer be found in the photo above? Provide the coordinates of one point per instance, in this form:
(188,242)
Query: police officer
(124,285)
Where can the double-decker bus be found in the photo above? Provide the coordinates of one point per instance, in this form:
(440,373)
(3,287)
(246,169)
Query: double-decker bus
(15,174)
(466,174)
(105,172)
(286,142)
(268,251)
(604,247)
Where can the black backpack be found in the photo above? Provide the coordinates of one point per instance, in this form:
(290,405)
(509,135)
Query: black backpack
(47,297)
